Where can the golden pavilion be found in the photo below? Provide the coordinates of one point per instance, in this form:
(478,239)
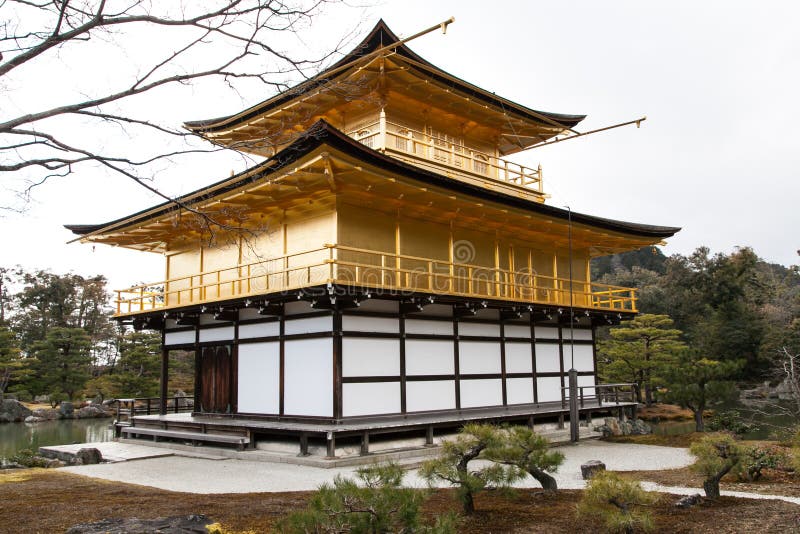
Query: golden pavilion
(385,268)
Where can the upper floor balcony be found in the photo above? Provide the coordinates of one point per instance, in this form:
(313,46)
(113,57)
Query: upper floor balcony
(376,271)
(449,155)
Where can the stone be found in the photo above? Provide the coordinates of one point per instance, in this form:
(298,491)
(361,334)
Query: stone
(88,456)
(41,399)
(46,414)
(688,501)
(13,411)
(189,524)
(640,427)
(66,409)
(613,427)
(90,411)
(591,468)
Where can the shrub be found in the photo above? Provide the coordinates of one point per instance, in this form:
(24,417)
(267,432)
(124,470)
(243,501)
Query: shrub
(730,421)
(617,502)
(716,455)
(378,504)
(529,452)
(27,458)
(452,466)
(755,459)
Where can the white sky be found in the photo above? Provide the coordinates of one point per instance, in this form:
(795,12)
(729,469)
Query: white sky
(719,82)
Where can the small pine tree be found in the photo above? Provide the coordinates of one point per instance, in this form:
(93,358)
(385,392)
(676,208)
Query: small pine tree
(716,455)
(452,466)
(617,503)
(523,448)
(376,502)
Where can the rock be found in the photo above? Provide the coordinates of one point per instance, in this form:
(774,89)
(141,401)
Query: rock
(12,411)
(688,500)
(41,399)
(613,427)
(46,414)
(190,524)
(591,468)
(90,411)
(66,409)
(34,419)
(87,456)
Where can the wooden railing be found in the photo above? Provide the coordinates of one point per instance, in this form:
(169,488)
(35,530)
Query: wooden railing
(128,408)
(378,271)
(434,151)
(601,395)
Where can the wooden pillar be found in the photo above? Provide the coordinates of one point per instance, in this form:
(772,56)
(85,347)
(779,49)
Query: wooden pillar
(331,445)
(429,435)
(365,443)
(164,385)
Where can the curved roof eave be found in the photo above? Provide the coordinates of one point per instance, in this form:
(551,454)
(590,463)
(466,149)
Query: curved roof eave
(381,36)
(322,133)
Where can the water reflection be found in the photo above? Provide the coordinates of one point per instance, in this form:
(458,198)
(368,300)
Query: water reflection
(16,436)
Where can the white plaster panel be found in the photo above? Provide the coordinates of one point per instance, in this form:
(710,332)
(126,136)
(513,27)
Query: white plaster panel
(546,332)
(359,323)
(179,338)
(429,357)
(518,357)
(478,329)
(308,325)
(484,392)
(547,358)
(581,334)
(518,330)
(548,388)
(308,377)
(259,378)
(519,390)
(259,330)
(432,395)
(475,357)
(418,326)
(217,334)
(249,313)
(441,310)
(584,357)
(391,306)
(370,357)
(587,381)
(300,306)
(370,399)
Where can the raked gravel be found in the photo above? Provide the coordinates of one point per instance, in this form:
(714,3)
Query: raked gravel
(198,475)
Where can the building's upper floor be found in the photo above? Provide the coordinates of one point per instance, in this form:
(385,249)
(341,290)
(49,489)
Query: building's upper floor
(387,97)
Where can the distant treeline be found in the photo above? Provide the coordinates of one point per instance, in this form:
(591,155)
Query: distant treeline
(730,307)
(57,339)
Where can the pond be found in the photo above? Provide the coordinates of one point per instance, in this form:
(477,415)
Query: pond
(17,436)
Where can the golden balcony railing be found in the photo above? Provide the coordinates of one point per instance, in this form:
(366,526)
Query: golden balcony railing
(378,271)
(434,151)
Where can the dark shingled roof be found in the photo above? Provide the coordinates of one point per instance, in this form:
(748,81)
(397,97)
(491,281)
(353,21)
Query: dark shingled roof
(322,133)
(381,36)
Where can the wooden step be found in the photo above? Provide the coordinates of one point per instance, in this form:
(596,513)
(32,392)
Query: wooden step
(194,437)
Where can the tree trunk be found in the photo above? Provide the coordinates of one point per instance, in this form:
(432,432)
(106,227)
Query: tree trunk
(699,425)
(711,487)
(469,503)
(548,482)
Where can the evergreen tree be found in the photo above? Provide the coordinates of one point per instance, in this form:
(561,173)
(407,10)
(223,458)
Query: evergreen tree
(696,382)
(639,351)
(63,361)
(12,365)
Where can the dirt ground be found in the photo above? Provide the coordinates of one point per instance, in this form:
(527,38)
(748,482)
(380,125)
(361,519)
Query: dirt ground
(47,501)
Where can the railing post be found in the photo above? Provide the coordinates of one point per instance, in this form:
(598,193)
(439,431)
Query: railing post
(574,415)
(382,131)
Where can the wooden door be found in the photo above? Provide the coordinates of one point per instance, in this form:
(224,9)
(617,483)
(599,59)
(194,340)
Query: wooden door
(215,379)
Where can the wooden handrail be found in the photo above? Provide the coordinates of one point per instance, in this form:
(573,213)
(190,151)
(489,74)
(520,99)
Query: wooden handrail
(378,270)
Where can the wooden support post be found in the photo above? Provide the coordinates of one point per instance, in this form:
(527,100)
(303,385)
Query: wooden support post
(331,446)
(303,445)
(621,414)
(429,436)
(164,385)
(531,422)
(561,421)
(365,444)
(589,419)
(574,414)
(252,437)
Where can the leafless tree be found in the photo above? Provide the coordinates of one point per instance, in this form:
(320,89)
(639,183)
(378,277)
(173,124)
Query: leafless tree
(227,43)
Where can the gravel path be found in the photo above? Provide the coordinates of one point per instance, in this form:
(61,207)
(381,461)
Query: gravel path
(197,475)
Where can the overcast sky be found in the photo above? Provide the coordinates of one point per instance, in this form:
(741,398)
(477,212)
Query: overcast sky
(718,155)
